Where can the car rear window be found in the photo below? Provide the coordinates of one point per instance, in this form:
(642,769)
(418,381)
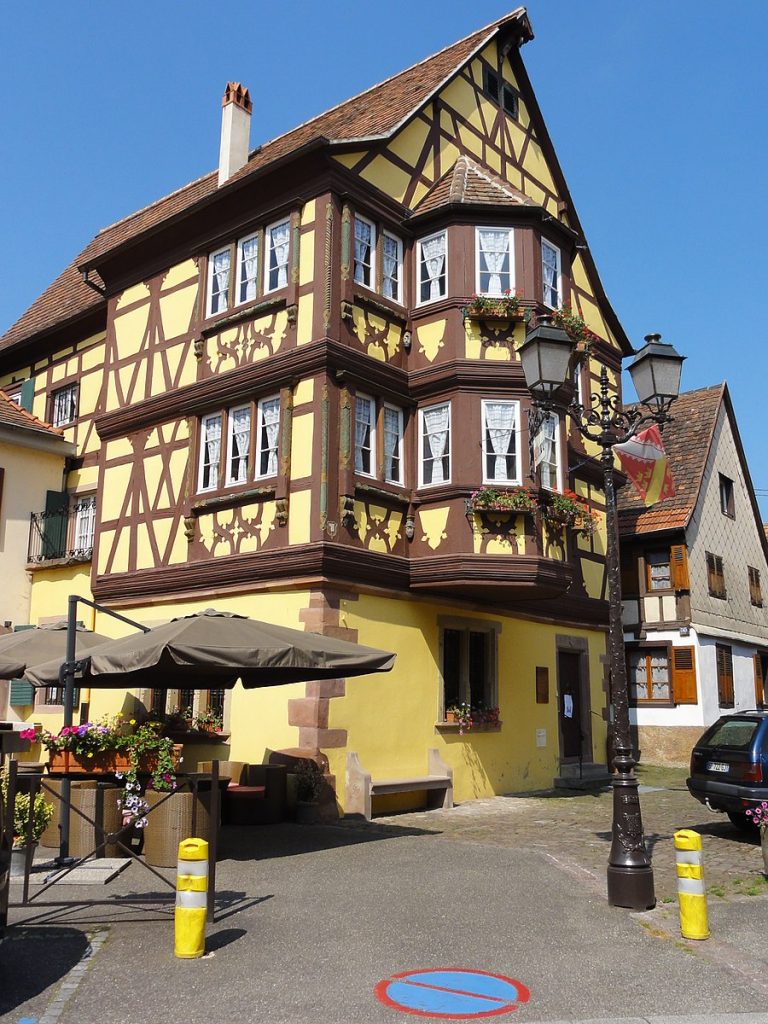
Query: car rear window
(735,733)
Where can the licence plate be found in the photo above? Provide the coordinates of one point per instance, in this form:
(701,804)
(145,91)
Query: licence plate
(716,766)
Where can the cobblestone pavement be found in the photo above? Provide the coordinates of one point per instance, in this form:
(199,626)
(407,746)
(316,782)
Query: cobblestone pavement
(575,828)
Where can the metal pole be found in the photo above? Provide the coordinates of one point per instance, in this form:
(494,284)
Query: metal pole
(67,674)
(630,876)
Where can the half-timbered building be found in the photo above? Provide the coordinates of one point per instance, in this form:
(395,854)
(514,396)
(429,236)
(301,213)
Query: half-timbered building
(283,399)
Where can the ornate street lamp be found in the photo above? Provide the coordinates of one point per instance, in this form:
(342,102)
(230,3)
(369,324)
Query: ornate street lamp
(656,376)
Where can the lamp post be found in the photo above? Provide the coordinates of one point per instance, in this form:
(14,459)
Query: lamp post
(547,359)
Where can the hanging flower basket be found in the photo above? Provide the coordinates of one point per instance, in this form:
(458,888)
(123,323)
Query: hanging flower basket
(567,510)
(487,307)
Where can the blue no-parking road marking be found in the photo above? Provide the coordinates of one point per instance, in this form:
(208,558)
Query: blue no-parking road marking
(452,992)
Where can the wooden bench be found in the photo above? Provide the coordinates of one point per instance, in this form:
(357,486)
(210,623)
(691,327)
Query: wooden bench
(361,788)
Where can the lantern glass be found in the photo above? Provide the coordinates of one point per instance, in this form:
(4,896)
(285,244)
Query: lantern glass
(656,372)
(546,357)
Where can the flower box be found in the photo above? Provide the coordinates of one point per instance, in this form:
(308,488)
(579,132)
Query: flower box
(64,762)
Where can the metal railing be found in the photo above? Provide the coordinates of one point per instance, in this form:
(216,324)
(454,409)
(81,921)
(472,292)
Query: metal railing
(63,533)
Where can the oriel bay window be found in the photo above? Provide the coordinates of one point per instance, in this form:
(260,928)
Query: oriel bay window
(245,458)
(392,267)
(376,458)
(494,261)
(365,435)
(365,252)
(546,452)
(551,275)
(393,444)
(435,445)
(501,425)
(432,263)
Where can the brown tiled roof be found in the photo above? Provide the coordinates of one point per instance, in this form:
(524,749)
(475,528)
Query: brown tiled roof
(12,415)
(467,182)
(375,112)
(687,442)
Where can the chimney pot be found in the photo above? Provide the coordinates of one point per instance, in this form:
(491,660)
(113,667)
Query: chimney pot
(236,107)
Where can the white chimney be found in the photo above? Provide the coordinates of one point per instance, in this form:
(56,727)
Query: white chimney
(235,130)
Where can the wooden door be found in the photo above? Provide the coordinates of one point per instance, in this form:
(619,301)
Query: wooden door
(570,703)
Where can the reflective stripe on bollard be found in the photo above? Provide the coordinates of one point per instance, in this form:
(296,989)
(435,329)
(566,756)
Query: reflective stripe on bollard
(191,899)
(691,893)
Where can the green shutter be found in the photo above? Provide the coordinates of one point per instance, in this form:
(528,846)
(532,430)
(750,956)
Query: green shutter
(55,524)
(22,693)
(27,394)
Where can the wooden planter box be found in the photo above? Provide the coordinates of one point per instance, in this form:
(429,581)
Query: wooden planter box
(64,762)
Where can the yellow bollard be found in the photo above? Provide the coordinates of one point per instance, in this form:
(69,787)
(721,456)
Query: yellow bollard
(690,885)
(191,898)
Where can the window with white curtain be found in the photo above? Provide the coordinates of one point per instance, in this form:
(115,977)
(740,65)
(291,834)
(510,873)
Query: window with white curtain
(365,435)
(648,671)
(247,268)
(239,421)
(494,261)
(550,275)
(546,452)
(219,269)
(64,405)
(269,428)
(432,260)
(393,444)
(85,523)
(210,452)
(435,445)
(501,442)
(365,252)
(276,264)
(392,267)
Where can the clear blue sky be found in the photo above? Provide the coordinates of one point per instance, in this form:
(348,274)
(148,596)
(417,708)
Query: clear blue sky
(657,111)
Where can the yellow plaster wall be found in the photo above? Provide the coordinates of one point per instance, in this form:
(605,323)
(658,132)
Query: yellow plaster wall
(298,517)
(390,718)
(301,446)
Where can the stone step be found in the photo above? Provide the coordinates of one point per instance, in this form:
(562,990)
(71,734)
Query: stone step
(585,776)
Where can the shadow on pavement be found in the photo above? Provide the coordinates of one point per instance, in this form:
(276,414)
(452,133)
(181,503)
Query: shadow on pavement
(33,959)
(265,842)
(223,938)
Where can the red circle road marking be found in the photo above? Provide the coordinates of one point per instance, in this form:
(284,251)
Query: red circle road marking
(451,993)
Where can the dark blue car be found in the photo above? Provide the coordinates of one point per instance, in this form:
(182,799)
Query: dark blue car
(729,765)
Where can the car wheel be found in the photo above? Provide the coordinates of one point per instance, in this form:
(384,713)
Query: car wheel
(741,821)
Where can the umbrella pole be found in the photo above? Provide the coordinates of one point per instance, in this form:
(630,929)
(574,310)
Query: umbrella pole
(67,676)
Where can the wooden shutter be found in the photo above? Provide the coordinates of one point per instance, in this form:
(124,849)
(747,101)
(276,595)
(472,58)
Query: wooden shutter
(724,675)
(759,681)
(684,675)
(27,395)
(55,524)
(22,693)
(678,565)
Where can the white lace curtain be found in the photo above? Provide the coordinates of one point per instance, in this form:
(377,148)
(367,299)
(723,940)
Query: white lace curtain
(433,262)
(499,425)
(248,269)
(279,238)
(494,249)
(212,451)
(546,452)
(391,444)
(240,426)
(363,419)
(221,267)
(363,246)
(436,431)
(270,418)
(390,284)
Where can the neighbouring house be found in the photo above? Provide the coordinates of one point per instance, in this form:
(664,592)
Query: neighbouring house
(34,459)
(694,569)
(285,393)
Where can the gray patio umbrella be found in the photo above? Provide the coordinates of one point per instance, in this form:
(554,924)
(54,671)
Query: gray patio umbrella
(214,649)
(42,643)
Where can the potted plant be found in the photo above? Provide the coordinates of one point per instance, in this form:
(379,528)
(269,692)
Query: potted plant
(567,509)
(461,715)
(88,747)
(759,818)
(485,716)
(495,499)
(309,785)
(30,820)
(209,721)
(573,325)
(492,307)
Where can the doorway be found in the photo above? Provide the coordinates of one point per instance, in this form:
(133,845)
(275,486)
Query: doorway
(573,708)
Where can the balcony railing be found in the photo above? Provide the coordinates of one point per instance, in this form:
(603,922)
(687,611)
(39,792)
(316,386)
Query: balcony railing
(64,533)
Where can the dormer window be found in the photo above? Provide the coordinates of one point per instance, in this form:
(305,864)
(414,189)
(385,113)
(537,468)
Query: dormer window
(494,261)
(551,275)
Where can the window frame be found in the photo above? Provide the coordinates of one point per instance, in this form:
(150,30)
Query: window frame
(447,454)
(400,443)
(755,588)
(664,555)
(268,250)
(559,272)
(726,493)
(372,282)
(74,388)
(209,311)
(228,481)
(558,453)
(504,291)
(420,260)
(517,480)
(360,398)
(400,263)
(649,651)
(724,660)
(84,512)
(201,488)
(261,430)
(238,279)
(491,631)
